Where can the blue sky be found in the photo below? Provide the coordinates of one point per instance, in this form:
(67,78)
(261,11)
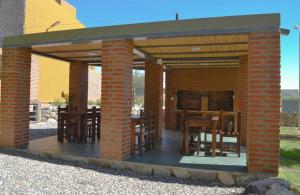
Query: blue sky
(104,12)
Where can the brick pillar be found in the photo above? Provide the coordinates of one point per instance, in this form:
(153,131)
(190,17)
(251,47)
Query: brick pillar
(263,102)
(78,85)
(241,96)
(15,95)
(154,92)
(116,99)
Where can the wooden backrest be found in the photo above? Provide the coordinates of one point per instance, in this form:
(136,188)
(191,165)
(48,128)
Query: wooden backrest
(198,121)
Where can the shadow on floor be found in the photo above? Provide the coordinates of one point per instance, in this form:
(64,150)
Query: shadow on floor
(168,154)
(35,134)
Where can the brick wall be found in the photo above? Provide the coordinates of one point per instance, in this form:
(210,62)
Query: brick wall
(263,102)
(15,95)
(154,93)
(202,79)
(116,99)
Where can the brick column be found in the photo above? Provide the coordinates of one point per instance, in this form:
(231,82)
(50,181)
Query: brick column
(263,102)
(116,99)
(241,96)
(15,95)
(154,92)
(78,85)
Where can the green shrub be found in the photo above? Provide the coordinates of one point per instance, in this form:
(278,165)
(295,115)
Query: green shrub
(94,103)
(58,102)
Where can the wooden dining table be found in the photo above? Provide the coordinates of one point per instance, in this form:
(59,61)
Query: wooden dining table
(196,122)
(78,117)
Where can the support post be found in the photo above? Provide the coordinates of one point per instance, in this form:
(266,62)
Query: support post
(116,99)
(78,86)
(263,125)
(15,97)
(241,97)
(154,92)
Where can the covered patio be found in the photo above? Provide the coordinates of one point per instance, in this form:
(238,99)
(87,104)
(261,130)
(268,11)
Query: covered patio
(228,63)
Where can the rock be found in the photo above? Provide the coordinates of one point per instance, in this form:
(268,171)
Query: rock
(244,180)
(271,184)
(44,119)
(251,190)
(140,168)
(118,165)
(162,171)
(46,115)
(204,176)
(98,162)
(279,190)
(53,114)
(181,173)
(226,179)
(52,122)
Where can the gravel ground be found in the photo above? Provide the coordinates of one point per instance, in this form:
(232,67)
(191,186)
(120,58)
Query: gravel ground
(22,173)
(41,130)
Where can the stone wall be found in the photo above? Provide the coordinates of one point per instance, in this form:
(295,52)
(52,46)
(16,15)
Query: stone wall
(289,119)
(34,78)
(12,17)
(94,91)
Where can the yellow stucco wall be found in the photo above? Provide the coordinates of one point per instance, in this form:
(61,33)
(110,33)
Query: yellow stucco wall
(39,15)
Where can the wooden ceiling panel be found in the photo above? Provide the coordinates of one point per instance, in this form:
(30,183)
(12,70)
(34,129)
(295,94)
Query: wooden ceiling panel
(197,49)
(193,40)
(204,55)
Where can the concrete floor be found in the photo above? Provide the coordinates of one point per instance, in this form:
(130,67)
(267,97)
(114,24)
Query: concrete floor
(168,154)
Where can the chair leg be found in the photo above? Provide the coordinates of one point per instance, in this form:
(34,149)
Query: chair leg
(205,140)
(239,147)
(198,143)
(147,143)
(221,145)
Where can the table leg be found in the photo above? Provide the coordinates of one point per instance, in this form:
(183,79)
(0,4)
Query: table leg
(214,138)
(78,137)
(132,137)
(186,138)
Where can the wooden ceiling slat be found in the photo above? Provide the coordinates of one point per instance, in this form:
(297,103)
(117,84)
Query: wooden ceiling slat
(199,63)
(202,59)
(193,40)
(199,55)
(192,45)
(183,53)
(200,67)
(233,48)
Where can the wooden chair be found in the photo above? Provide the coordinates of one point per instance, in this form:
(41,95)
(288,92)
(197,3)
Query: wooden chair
(235,146)
(89,135)
(141,134)
(150,128)
(61,124)
(97,121)
(67,126)
(194,126)
(91,124)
